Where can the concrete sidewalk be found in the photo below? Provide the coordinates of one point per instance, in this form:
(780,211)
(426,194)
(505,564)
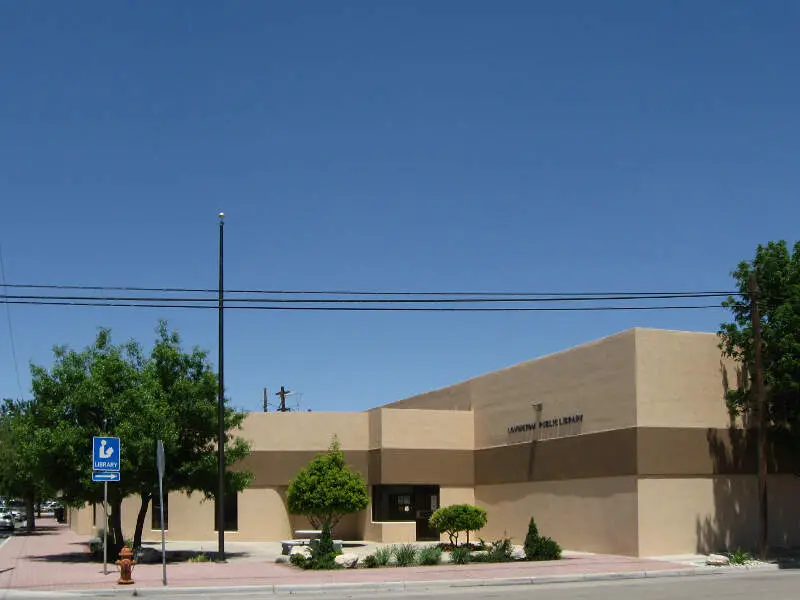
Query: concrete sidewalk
(55,558)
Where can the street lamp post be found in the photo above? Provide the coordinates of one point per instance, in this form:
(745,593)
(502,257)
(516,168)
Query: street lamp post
(221,410)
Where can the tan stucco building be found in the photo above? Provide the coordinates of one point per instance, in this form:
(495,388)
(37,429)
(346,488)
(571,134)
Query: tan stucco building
(622,445)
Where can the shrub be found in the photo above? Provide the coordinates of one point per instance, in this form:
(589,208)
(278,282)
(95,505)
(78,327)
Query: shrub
(456,518)
(199,558)
(405,555)
(531,540)
(298,560)
(447,546)
(430,555)
(323,551)
(370,561)
(500,551)
(540,547)
(383,556)
(740,557)
(460,556)
(548,549)
(96,545)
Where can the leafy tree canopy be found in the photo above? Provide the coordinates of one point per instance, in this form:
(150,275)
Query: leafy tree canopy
(777,271)
(108,389)
(20,470)
(326,490)
(456,518)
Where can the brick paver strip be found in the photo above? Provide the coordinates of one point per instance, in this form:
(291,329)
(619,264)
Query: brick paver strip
(55,557)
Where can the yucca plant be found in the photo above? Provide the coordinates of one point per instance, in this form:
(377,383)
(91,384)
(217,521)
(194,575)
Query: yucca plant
(405,555)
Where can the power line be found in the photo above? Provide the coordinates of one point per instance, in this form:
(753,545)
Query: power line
(364,308)
(10,326)
(356,292)
(459,300)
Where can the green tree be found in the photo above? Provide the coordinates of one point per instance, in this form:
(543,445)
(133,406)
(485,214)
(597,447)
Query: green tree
(108,389)
(777,271)
(20,471)
(455,518)
(326,490)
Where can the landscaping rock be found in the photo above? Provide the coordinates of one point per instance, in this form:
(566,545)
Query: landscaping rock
(718,560)
(282,559)
(304,550)
(348,561)
(517,553)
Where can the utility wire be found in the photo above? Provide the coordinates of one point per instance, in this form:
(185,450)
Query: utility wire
(355,292)
(364,308)
(459,300)
(10,326)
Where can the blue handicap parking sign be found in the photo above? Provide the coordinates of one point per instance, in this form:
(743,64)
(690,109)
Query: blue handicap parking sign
(105,454)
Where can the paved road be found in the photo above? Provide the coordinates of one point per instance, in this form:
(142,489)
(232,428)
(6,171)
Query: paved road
(774,585)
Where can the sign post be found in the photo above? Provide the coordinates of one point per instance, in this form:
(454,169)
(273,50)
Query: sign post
(105,527)
(160,464)
(105,467)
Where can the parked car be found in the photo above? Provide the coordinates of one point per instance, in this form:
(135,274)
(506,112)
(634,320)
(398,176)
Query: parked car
(7,521)
(16,508)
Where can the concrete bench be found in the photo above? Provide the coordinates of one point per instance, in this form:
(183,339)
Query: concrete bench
(309,533)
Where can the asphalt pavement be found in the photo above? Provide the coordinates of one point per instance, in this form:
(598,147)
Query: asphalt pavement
(765,585)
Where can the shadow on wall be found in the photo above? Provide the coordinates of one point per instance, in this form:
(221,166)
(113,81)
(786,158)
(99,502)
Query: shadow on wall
(734,522)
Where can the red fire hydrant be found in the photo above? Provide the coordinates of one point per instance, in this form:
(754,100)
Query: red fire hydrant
(126,563)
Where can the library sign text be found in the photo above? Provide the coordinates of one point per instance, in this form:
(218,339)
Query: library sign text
(546,423)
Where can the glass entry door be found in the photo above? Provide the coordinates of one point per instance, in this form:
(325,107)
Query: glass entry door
(426,501)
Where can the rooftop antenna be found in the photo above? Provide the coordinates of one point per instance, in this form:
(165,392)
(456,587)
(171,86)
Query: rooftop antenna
(283,393)
(289,401)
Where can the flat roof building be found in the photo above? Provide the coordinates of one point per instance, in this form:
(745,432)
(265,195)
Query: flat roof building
(623,445)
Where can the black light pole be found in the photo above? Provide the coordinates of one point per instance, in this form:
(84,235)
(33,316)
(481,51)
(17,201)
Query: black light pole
(221,411)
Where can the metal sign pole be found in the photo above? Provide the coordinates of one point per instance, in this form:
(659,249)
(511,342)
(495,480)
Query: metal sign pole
(160,464)
(105,528)
(163,541)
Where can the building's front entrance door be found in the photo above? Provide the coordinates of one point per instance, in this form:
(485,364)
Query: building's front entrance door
(426,501)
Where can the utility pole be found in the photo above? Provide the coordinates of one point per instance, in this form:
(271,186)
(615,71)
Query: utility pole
(221,411)
(266,409)
(282,394)
(761,423)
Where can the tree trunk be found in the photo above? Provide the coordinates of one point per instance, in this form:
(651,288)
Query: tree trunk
(115,538)
(30,513)
(137,535)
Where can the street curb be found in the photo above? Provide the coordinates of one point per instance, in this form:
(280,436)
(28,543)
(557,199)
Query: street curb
(409,586)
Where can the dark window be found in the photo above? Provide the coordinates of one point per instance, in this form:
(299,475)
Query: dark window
(403,502)
(231,513)
(155,512)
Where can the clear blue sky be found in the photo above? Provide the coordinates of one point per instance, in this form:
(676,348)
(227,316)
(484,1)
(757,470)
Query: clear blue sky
(415,145)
